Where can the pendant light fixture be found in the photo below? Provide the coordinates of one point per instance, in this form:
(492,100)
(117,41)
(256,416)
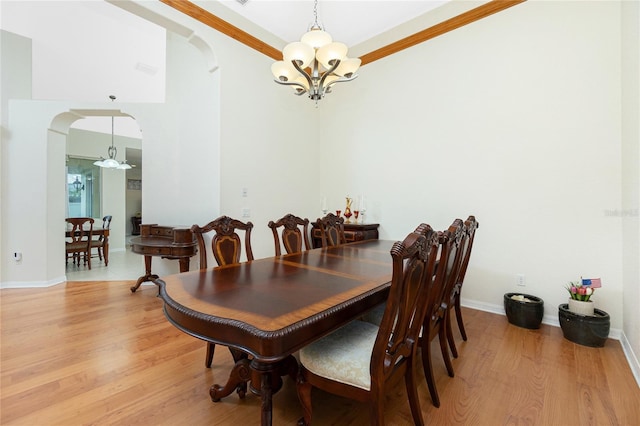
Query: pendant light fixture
(315,63)
(111,162)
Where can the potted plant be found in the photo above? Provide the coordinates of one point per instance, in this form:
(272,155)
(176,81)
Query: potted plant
(579,297)
(580,321)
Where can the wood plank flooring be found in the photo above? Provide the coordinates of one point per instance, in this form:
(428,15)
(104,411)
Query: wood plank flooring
(93,353)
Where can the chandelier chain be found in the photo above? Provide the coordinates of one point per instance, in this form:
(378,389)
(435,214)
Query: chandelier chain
(315,14)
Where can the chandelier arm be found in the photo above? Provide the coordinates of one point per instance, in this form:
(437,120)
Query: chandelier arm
(293,83)
(342,80)
(327,74)
(304,74)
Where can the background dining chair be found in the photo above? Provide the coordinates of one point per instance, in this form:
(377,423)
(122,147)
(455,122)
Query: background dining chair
(98,243)
(435,318)
(294,240)
(374,316)
(227,249)
(469,231)
(362,361)
(78,244)
(331,230)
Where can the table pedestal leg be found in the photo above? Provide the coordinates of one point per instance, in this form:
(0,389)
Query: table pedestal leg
(148,275)
(265,380)
(238,378)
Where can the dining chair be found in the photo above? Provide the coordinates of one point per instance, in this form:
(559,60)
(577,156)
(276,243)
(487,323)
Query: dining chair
(374,316)
(225,243)
(98,243)
(362,361)
(435,318)
(294,240)
(227,249)
(469,230)
(331,230)
(78,243)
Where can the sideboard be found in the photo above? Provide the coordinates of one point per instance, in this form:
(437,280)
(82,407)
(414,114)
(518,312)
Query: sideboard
(352,232)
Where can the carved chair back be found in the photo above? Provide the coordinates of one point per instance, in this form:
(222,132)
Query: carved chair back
(470,226)
(79,239)
(331,230)
(414,262)
(294,239)
(436,312)
(226,244)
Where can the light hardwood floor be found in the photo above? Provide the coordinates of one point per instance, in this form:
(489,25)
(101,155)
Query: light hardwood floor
(93,353)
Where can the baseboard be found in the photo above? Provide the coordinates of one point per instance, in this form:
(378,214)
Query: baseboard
(32,284)
(614,333)
(632,359)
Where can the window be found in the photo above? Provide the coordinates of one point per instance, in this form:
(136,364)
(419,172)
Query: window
(83,188)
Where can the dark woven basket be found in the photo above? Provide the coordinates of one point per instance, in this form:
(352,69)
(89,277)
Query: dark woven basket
(524,314)
(584,330)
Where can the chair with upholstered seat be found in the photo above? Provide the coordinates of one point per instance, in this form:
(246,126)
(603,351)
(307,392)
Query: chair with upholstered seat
(99,243)
(331,230)
(361,361)
(78,243)
(435,319)
(294,239)
(227,249)
(470,226)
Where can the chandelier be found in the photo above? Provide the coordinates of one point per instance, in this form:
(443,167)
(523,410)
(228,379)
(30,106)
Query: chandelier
(315,63)
(111,162)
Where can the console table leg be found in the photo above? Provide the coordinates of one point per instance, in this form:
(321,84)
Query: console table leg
(148,275)
(184,264)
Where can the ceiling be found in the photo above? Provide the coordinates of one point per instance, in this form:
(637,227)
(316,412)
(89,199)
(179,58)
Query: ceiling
(348,21)
(371,29)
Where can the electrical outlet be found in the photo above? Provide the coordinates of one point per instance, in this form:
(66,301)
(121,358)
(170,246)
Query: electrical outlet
(520,280)
(246,212)
(245,192)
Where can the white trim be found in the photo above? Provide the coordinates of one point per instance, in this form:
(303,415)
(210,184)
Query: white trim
(33,284)
(632,359)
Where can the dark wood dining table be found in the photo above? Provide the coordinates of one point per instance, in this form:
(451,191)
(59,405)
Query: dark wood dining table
(270,308)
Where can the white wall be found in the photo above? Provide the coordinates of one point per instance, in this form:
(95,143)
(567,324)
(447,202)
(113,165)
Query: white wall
(515,119)
(630,32)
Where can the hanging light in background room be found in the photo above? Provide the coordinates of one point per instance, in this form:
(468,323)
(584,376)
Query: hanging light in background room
(111,162)
(315,63)
(78,185)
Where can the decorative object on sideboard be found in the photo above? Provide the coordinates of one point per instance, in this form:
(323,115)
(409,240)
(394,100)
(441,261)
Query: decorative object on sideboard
(315,63)
(362,207)
(347,210)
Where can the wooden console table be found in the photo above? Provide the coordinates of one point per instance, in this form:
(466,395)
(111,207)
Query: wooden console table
(168,242)
(352,232)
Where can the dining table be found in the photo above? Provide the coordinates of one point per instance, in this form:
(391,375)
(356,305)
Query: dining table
(270,308)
